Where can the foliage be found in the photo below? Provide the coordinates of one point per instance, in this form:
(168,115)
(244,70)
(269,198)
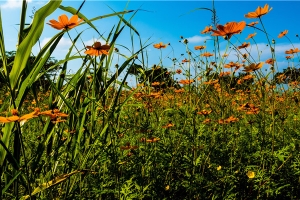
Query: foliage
(212,134)
(48,67)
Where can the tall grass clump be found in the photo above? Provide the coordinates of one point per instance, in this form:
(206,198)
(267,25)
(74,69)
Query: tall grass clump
(225,130)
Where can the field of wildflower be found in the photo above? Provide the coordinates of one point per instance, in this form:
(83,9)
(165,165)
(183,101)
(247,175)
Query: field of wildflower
(204,129)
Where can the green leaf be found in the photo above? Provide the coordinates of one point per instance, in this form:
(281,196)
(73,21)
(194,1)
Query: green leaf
(24,49)
(51,183)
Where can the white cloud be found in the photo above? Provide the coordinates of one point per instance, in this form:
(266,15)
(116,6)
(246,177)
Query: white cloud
(92,41)
(198,38)
(263,51)
(11,4)
(64,43)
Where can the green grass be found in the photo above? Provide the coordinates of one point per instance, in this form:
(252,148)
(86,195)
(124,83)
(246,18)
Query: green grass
(219,137)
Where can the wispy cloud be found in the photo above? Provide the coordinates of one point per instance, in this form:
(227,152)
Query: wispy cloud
(92,41)
(198,39)
(262,51)
(64,43)
(12,4)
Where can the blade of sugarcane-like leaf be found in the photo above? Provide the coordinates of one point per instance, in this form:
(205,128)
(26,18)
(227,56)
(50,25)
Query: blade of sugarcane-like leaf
(24,49)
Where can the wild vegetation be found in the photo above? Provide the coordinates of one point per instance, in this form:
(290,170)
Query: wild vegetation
(227,130)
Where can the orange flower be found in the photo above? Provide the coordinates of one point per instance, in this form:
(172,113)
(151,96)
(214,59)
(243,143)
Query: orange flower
(270,61)
(154,95)
(185,60)
(26,117)
(206,121)
(245,55)
(292,51)
(199,47)
(248,77)
(250,36)
(179,90)
(232,64)
(249,108)
(151,140)
(155,83)
(14,112)
(253,23)
(259,12)
(169,125)
(244,45)
(207,54)
(160,45)
(53,114)
(15,117)
(128,147)
(97,49)
(229,29)
(253,67)
(64,23)
(222,74)
(178,71)
(186,82)
(231,119)
(204,112)
(207,29)
(283,33)
(9,119)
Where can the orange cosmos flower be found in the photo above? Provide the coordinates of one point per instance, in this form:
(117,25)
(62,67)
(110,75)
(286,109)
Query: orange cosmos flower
(248,77)
(185,60)
(283,33)
(199,47)
(151,140)
(178,71)
(250,36)
(253,23)
(64,23)
(244,45)
(206,121)
(222,74)
(207,54)
(155,84)
(204,112)
(229,29)
(31,115)
(292,51)
(9,119)
(179,90)
(230,65)
(97,49)
(53,114)
(253,67)
(128,147)
(186,82)
(207,29)
(259,12)
(169,125)
(231,119)
(270,61)
(160,45)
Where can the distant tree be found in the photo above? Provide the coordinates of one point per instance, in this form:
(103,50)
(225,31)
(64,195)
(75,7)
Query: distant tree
(239,81)
(43,81)
(156,74)
(288,75)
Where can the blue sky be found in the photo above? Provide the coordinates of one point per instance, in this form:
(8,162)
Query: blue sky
(166,21)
